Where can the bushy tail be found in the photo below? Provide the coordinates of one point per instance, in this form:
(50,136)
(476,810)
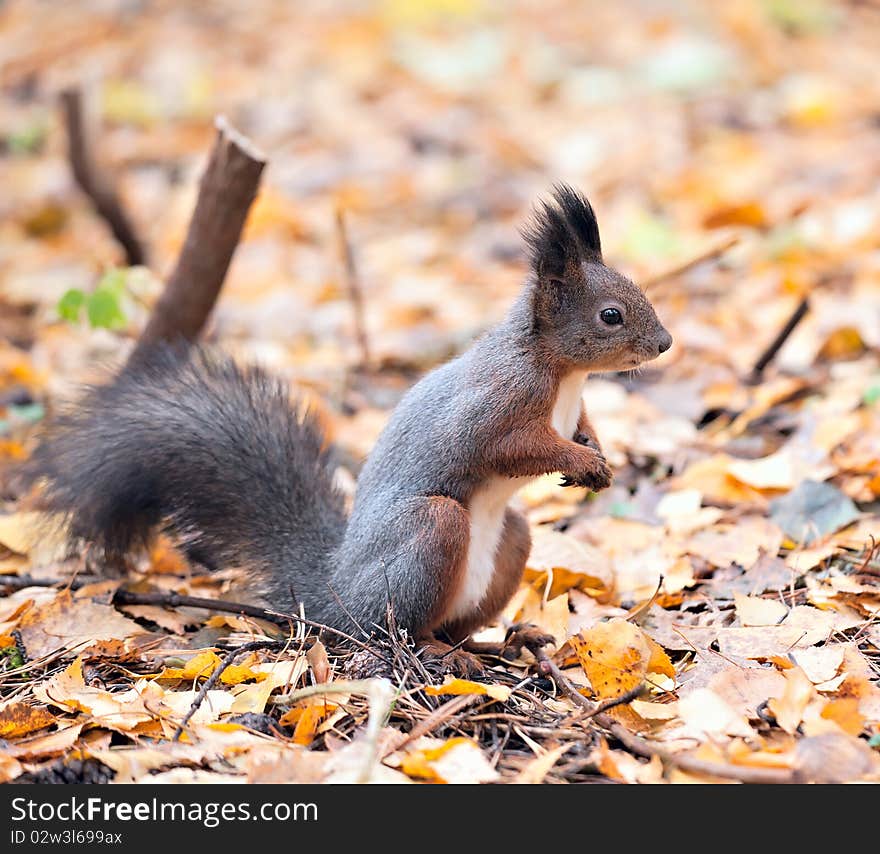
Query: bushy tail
(210,450)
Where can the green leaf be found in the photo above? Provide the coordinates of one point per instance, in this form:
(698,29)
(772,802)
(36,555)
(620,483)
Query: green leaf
(13,656)
(115,280)
(104,310)
(70,305)
(28,140)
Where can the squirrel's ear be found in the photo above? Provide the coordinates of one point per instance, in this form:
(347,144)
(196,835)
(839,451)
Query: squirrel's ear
(561,232)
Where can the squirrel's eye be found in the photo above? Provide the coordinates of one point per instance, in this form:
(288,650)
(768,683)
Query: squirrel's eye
(611,316)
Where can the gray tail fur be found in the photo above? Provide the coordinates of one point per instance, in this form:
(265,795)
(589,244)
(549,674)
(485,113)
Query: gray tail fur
(210,451)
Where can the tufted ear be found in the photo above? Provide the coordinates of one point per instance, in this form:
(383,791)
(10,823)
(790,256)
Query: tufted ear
(562,231)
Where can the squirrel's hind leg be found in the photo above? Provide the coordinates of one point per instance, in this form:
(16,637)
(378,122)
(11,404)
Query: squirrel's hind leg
(420,559)
(510,563)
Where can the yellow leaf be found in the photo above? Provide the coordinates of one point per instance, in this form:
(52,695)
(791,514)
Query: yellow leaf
(458,760)
(200,666)
(659,661)
(19,718)
(236,673)
(617,656)
(464,686)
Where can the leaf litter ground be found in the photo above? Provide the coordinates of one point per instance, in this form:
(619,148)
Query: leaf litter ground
(728,584)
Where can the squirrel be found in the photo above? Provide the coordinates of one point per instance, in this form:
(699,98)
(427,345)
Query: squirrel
(215,453)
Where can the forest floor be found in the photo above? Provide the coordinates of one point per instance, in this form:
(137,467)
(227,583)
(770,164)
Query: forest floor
(730,578)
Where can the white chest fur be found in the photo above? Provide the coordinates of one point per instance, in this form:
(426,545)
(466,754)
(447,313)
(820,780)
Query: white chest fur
(489,504)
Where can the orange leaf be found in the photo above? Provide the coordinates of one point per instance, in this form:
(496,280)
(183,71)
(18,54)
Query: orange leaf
(20,718)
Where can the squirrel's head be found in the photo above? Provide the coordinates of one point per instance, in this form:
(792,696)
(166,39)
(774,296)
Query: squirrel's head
(590,315)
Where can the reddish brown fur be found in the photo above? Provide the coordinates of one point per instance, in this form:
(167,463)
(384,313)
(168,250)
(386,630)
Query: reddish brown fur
(513,552)
(444,534)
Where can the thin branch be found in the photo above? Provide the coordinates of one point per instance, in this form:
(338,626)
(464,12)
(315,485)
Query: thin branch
(641,747)
(439,716)
(93,182)
(776,345)
(673,273)
(177,600)
(214,678)
(226,192)
(355,291)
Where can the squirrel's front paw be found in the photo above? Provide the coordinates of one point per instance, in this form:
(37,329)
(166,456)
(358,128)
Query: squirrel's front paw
(596,478)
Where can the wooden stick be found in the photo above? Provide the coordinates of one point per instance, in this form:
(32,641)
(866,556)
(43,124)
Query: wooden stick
(776,345)
(355,292)
(96,184)
(226,192)
(212,680)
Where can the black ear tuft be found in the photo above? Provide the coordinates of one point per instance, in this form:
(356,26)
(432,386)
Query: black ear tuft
(561,231)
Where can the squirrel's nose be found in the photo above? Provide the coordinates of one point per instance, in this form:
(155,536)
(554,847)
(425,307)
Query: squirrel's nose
(665,342)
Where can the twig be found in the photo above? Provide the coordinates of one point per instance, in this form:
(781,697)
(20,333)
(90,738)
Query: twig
(355,291)
(177,600)
(642,747)
(212,680)
(380,693)
(675,272)
(19,582)
(776,345)
(227,189)
(94,183)
(439,716)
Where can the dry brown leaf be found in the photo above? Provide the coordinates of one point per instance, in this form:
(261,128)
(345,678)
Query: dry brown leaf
(318,661)
(40,747)
(73,625)
(834,758)
(744,689)
(10,768)
(820,663)
(571,563)
(754,611)
(706,714)
(538,768)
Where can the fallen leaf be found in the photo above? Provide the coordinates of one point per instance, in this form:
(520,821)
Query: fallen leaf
(833,758)
(458,760)
(754,611)
(811,512)
(820,663)
(569,562)
(72,625)
(464,686)
(17,718)
(617,657)
(705,713)
(538,768)
(789,708)
(845,713)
